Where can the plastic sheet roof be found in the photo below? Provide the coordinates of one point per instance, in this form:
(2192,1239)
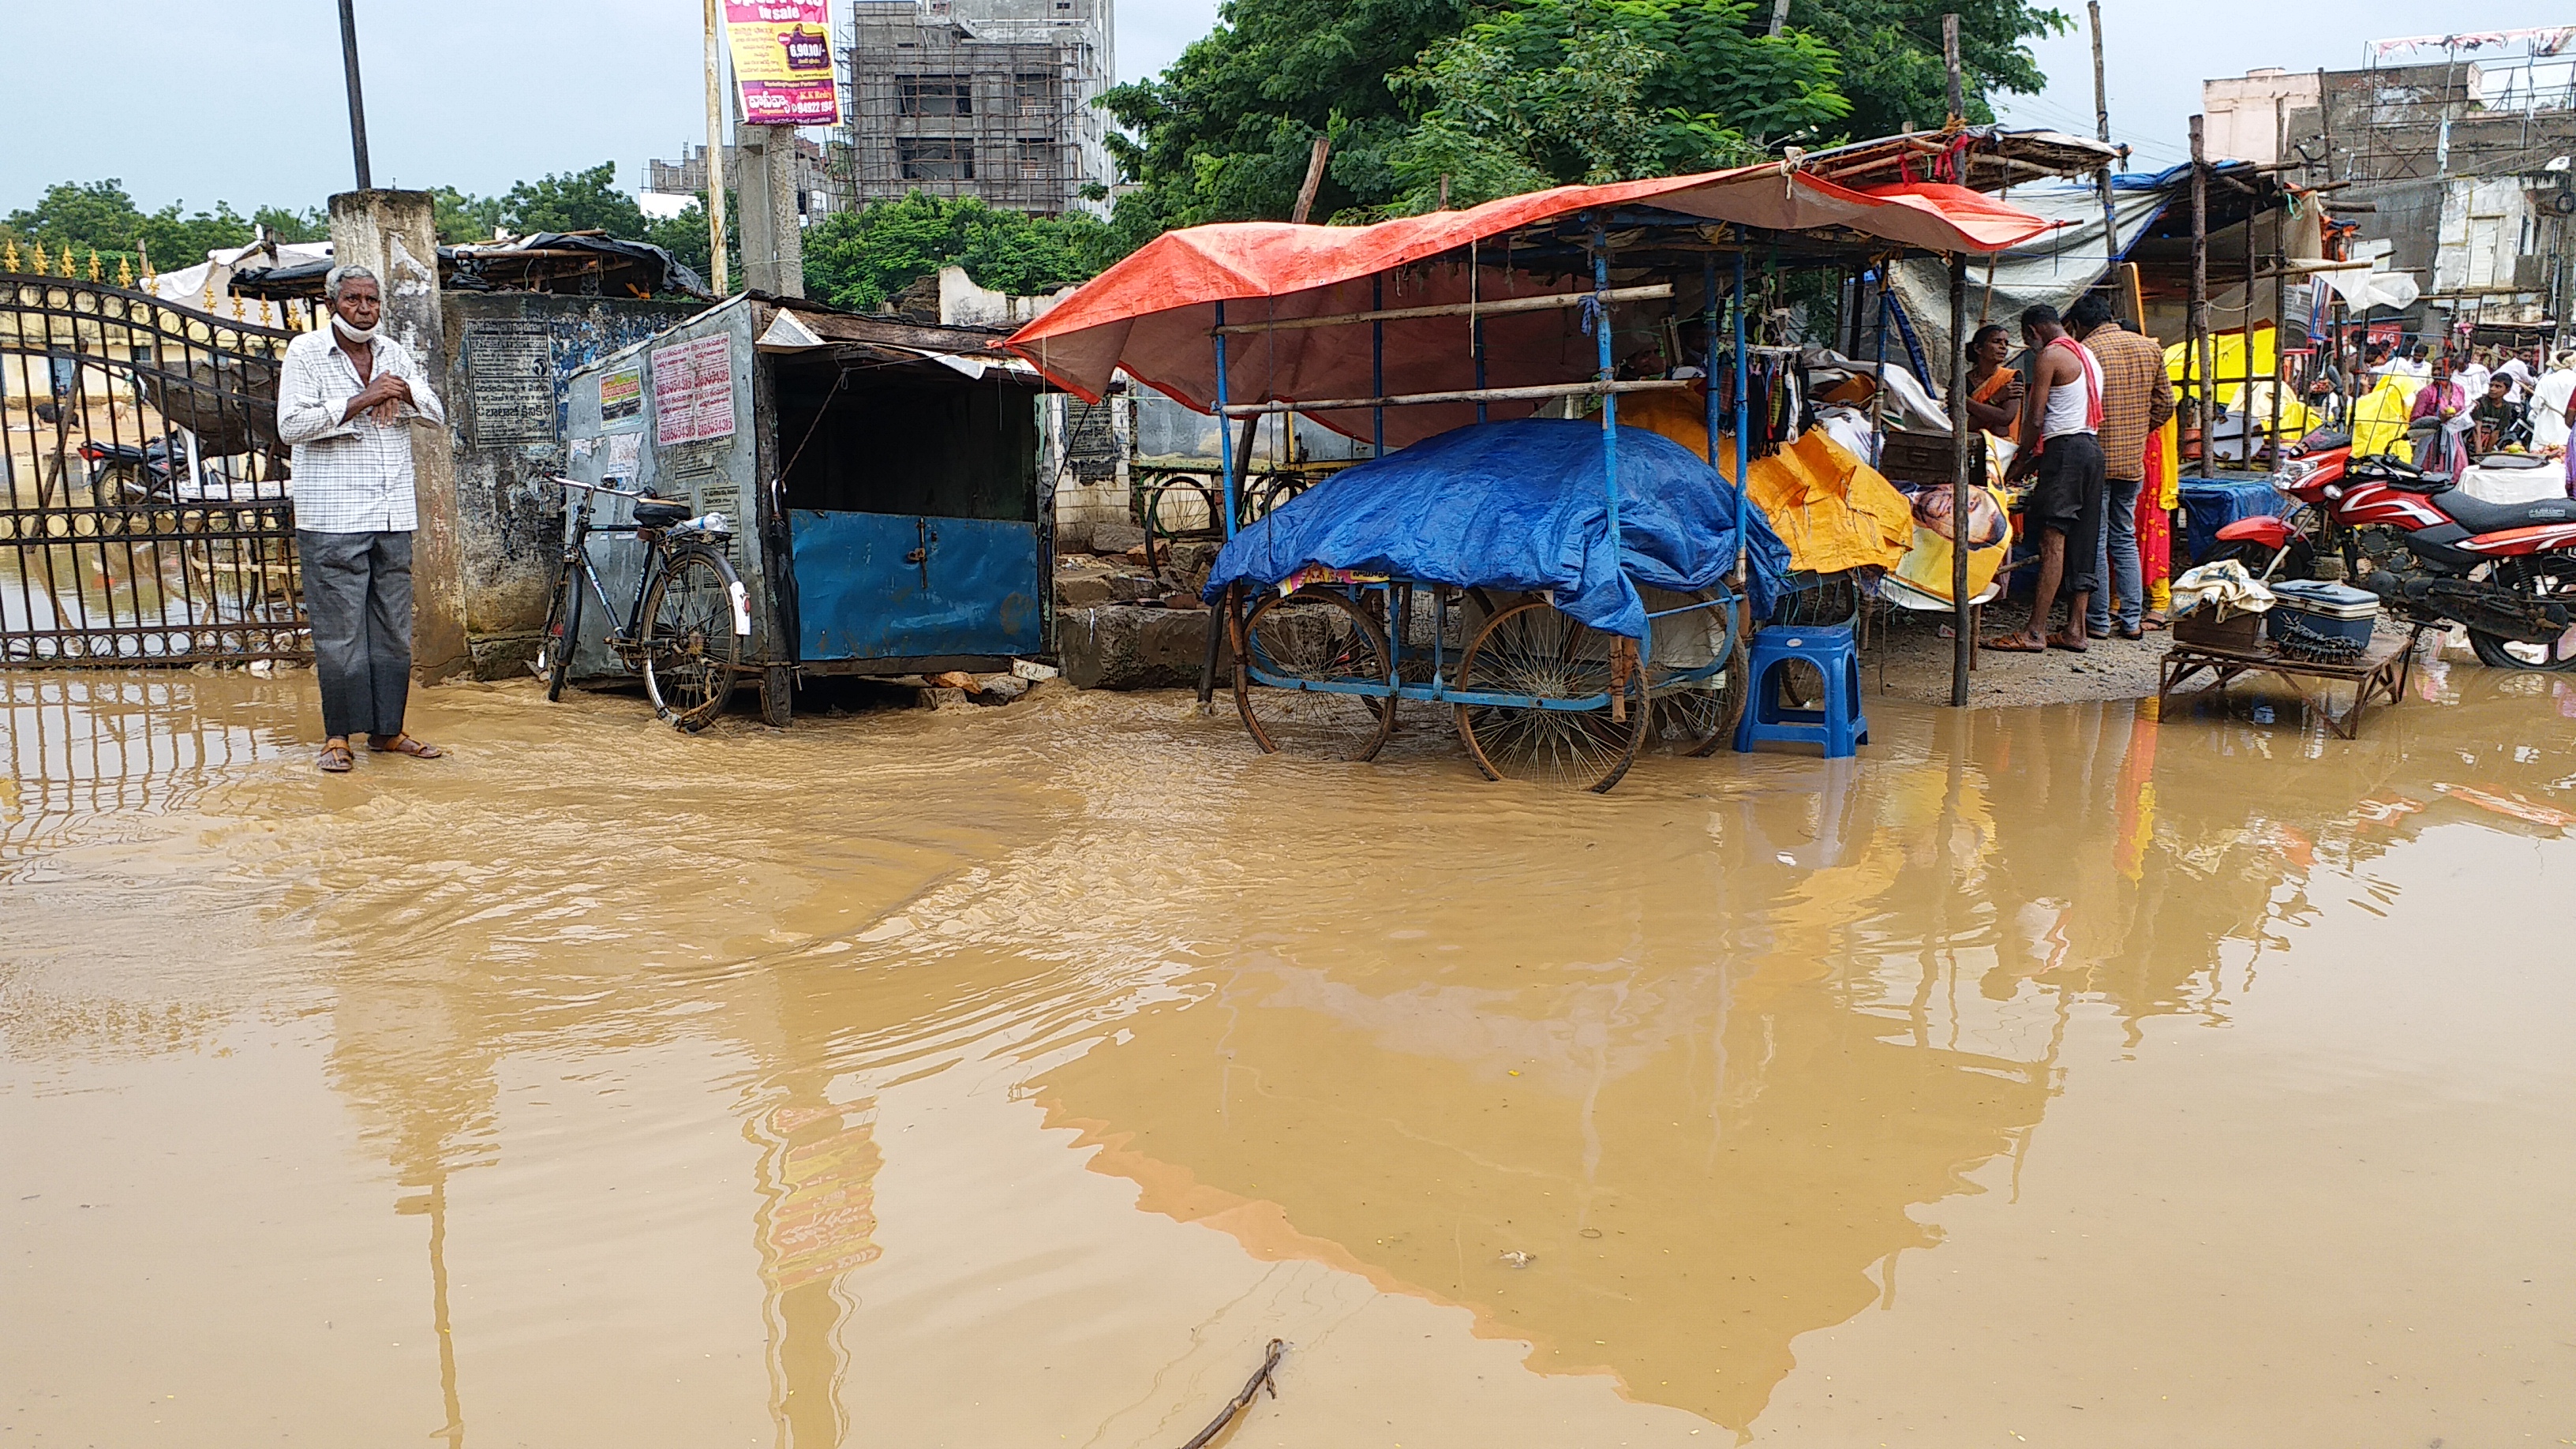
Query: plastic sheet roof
(1151,313)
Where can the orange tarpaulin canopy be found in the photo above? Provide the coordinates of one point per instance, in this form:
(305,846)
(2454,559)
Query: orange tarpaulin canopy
(1151,313)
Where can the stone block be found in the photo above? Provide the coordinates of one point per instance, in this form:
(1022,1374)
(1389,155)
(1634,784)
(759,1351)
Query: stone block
(1082,590)
(1118,647)
(1116,537)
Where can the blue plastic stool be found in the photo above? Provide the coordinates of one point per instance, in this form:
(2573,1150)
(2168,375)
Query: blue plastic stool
(1839,727)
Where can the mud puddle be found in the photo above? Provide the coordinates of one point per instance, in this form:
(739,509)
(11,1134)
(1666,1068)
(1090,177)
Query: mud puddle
(1012,1077)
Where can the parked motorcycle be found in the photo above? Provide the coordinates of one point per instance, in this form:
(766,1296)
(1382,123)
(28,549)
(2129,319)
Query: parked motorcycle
(136,475)
(2432,553)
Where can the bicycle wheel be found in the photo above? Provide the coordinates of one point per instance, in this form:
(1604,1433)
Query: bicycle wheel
(553,663)
(1313,636)
(689,645)
(1538,652)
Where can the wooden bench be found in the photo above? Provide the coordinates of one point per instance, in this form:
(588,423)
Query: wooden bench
(2380,674)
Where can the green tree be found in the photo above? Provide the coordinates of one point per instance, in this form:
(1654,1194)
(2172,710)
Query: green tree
(83,214)
(861,259)
(1225,133)
(463,217)
(1891,56)
(686,238)
(574,201)
(1557,91)
(288,225)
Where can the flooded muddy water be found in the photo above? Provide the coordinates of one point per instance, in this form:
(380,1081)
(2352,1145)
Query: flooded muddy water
(1012,1077)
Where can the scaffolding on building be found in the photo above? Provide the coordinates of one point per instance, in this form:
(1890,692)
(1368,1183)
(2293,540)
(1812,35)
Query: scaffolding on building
(985,98)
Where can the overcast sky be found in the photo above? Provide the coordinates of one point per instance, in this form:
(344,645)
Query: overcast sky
(198,103)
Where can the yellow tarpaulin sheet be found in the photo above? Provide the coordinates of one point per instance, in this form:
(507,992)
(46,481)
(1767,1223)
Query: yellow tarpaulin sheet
(2229,349)
(1835,512)
(2379,419)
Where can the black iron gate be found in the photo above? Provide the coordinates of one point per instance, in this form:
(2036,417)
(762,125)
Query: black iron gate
(148,517)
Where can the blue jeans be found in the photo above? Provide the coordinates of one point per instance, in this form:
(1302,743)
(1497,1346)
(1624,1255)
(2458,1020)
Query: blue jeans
(2116,560)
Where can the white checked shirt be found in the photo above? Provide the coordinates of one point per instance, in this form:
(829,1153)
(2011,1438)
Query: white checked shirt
(353,476)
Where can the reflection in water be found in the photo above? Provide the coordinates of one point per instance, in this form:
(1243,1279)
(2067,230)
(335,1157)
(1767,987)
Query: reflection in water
(1657,1084)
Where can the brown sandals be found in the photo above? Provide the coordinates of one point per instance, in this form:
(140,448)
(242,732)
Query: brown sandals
(336,759)
(404,744)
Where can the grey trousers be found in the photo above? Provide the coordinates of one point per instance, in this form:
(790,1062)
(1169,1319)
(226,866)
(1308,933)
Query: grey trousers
(357,592)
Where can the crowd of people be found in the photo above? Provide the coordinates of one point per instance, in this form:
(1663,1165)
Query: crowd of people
(2459,405)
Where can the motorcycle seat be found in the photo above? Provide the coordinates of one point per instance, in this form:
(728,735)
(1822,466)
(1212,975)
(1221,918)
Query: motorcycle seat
(2479,516)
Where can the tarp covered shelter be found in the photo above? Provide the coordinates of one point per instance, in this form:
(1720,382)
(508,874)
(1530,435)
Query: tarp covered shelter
(1153,312)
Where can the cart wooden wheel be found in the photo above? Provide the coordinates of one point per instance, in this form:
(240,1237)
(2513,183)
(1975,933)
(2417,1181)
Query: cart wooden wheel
(1537,651)
(1313,636)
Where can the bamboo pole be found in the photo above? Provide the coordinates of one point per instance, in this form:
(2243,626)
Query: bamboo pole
(1963,640)
(1471,394)
(2201,350)
(1551,302)
(2102,129)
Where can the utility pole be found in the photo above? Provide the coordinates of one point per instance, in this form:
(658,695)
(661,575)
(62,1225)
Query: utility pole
(1950,58)
(715,150)
(357,100)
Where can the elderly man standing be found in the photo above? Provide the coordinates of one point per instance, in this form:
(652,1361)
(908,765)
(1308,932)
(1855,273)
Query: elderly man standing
(2137,397)
(346,400)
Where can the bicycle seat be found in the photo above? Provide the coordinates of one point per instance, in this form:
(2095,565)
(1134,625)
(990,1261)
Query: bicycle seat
(659,512)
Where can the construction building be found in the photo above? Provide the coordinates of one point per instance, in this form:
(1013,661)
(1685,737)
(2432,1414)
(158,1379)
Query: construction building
(2456,169)
(984,98)
(670,187)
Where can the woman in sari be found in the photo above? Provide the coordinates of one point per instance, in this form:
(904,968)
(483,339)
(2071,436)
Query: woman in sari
(1994,390)
(2444,404)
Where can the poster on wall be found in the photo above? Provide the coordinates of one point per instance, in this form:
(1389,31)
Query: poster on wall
(693,391)
(782,58)
(621,393)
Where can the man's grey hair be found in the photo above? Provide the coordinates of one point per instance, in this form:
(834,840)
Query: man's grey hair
(338,277)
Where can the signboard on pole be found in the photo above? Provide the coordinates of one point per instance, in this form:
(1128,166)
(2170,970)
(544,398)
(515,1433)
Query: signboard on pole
(782,59)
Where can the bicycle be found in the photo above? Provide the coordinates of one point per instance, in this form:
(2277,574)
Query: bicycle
(685,628)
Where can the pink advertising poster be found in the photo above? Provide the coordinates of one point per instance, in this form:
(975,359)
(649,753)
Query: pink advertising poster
(692,392)
(782,56)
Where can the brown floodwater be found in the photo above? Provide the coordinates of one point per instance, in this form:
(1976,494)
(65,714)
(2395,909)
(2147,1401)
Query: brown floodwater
(1012,1077)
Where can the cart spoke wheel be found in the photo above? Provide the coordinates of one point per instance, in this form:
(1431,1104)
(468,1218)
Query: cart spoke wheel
(1694,719)
(1317,636)
(1537,651)
(688,644)
(1693,716)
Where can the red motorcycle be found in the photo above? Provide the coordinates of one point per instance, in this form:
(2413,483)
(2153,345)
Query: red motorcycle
(2433,554)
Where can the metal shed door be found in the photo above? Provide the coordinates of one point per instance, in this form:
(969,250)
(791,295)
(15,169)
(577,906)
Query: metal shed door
(914,586)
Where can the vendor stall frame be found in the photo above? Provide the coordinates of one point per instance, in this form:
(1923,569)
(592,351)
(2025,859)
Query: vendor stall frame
(1529,231)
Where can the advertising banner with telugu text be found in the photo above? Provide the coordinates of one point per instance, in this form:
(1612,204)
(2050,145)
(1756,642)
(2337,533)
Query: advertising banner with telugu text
(782,58)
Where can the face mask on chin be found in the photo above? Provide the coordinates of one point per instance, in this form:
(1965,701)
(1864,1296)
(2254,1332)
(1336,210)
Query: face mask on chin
(341,325)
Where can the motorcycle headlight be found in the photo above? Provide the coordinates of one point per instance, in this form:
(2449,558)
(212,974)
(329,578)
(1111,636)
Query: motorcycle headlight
(2296,471)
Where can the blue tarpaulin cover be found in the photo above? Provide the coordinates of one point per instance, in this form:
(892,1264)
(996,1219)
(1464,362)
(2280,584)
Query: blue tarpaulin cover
(1520,505)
